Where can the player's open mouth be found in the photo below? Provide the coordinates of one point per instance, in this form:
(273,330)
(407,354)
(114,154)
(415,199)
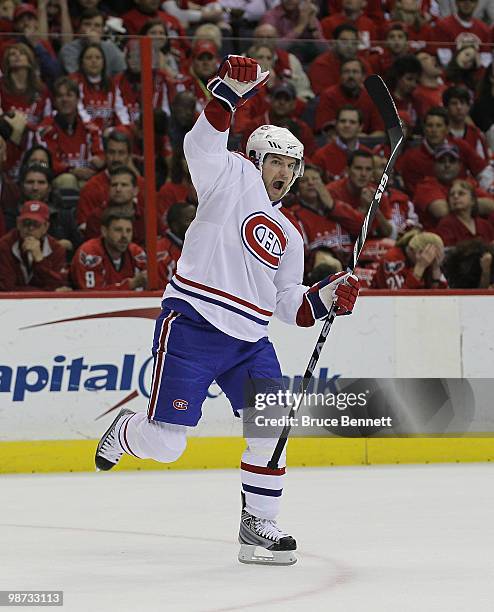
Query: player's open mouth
(278,185)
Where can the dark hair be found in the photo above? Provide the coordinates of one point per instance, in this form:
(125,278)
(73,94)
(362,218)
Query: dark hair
(349,107)
(359,153)
(150,24)
(353,59)
(437,111)
(175,212)
(36,168)
(403,65)
(65,81)
(344,27)
(91,13)
(117,136)
(462,264)
(105,83)
(27,155)
(115,213)
(397,26)
(124,170)
(456,92)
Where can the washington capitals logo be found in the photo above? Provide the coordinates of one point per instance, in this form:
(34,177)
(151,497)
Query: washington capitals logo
(264,238)
(88,260)
(393,267)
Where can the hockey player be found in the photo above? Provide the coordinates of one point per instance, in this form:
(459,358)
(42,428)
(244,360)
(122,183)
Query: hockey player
(242,262)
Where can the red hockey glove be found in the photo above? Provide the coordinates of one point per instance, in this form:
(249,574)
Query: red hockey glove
(341,288)
(238,79)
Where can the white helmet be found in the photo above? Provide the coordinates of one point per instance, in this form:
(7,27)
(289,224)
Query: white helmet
(272,139)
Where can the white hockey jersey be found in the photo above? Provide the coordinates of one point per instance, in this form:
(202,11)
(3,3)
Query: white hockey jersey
(242,260)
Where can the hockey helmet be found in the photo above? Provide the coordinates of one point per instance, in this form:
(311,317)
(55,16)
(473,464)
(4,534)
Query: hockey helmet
(280,141)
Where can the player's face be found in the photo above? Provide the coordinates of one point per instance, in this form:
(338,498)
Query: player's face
(397,41)
(447,168)
(122,191)
(360,172)
(65,101)
(435,130)
(92,63)
(117,154)
(118,235)
(36,186)
(458,109)
(348,125)
(460,198)
(277,173)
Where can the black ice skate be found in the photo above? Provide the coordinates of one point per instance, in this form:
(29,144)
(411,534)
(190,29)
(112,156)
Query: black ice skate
(109,452)
(262,542)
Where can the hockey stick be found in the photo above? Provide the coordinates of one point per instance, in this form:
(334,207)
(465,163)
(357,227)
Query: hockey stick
(394,129)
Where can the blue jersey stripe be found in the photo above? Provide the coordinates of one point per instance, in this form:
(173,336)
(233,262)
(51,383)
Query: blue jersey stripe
(218,303)
(260,491)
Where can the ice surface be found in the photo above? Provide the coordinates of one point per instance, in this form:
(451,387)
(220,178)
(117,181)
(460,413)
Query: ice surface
(371,539)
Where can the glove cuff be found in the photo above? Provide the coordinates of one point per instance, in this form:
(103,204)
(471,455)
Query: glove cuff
(220,90)
(218,115)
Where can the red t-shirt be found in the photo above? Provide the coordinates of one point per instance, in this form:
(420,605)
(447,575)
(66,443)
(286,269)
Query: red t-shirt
(333,158)
(474,137)
(128,88)
(169,249)
(417,163)
(425,98)
(17,273)
(35,109)
(93,268)
(396,272)
(333,98)
(170,193)
(94,199)
(452,230)
(134,20)
(449,28)
(70,149)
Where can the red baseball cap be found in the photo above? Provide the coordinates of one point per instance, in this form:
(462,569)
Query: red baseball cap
(204,46)
(35,210)
(25,9)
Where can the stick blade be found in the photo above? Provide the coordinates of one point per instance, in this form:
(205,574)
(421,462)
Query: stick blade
(377,90)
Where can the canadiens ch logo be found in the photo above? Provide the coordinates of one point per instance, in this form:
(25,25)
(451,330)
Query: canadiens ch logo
(180,404)
(264,238)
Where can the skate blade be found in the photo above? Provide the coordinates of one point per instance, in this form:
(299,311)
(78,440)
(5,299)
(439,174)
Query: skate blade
(257,555)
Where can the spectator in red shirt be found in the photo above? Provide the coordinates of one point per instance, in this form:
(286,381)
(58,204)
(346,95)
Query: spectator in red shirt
(432,192)
(403,213)
(457,101)
(99,102)
(463,222)
(448,29)
(145,10)
(325,70)
(333,157)
(464,68)
(413,264)
(395,46)
(280,112)
(180,216)
(431,86)
(128,85)
(112,262)
(204,66)
(409,12)
(286,66)
(417,163)
(352,12)
(350,90)
(30,259)
(179,189)
(357,190)
(403,78)
(75,146)
(329,226)
(297,19)
(96,192)
(20,86)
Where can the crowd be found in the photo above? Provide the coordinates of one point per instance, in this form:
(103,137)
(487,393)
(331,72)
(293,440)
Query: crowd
(72,192)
